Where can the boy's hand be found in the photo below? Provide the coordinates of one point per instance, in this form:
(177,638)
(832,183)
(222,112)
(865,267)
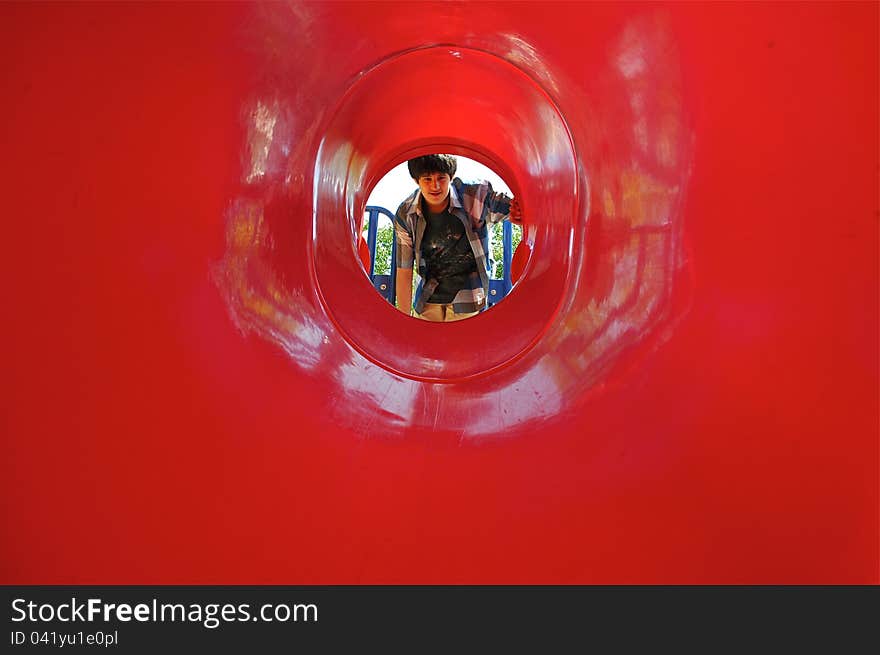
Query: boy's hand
(515,212)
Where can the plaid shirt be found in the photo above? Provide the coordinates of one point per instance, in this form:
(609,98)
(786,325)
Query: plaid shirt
(477,206)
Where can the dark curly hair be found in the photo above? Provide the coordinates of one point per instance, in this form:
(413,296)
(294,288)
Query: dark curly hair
(432,164)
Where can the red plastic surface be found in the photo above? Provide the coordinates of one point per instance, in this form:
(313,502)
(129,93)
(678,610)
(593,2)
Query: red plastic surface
(201,386)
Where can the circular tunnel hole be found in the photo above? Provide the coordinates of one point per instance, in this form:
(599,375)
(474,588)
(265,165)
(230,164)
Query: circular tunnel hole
(484,108)
(378,249)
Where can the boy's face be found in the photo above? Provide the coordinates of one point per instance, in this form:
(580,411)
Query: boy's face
(435,190)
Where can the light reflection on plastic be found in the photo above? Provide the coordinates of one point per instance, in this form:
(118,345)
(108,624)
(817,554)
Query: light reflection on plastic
(257,301)
(261,131)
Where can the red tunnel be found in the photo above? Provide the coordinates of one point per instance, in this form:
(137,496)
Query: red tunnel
(202,387)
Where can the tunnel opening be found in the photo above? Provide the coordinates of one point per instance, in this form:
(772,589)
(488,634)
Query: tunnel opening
(393,194)
(520,134)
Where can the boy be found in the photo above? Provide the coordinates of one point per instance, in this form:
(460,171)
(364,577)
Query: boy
(443,231)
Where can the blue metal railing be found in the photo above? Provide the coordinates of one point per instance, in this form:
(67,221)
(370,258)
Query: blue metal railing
(384,284)
(500,288)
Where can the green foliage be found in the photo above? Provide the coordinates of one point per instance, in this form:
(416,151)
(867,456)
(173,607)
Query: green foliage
(497,248)
(384,236)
